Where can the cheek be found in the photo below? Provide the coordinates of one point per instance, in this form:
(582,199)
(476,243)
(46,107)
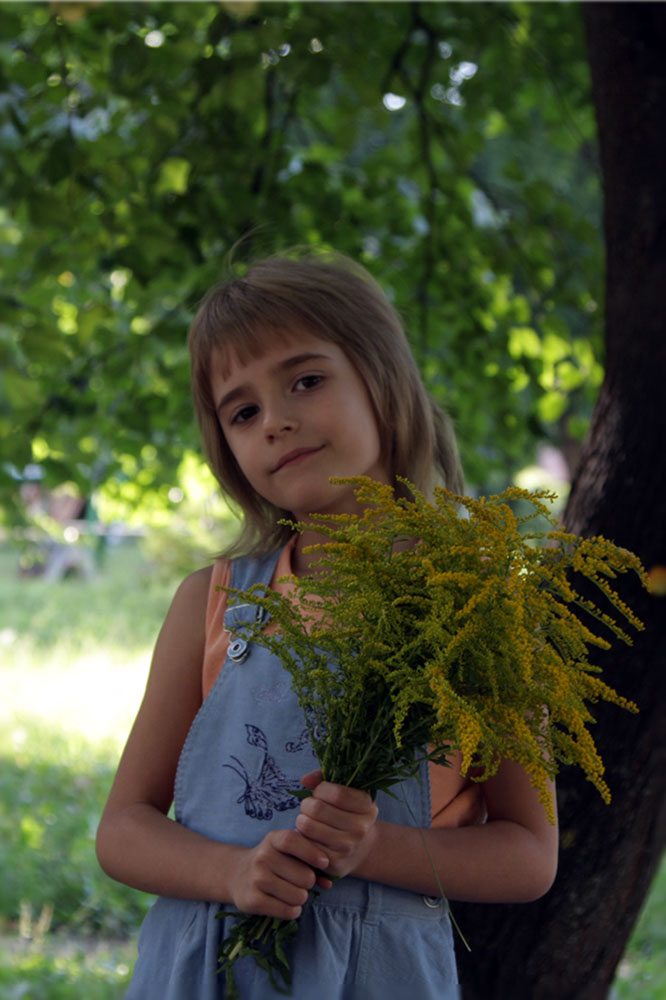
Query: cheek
(227,452)
(235,457)
(243,459)
(363,421)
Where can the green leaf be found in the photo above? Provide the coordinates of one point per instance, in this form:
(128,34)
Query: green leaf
(151,162)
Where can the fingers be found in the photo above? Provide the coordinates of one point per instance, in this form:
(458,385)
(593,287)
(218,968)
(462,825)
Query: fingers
(341,821)
(277,874)
(289,843)
(335,840)
(329,800)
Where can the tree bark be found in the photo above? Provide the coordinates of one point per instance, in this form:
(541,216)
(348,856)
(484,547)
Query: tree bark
(568,944)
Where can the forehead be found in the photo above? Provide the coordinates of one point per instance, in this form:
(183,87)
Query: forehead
(230,357)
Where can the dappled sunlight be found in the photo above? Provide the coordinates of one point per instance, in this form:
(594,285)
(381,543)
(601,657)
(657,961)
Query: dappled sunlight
(75,654)
(93,696)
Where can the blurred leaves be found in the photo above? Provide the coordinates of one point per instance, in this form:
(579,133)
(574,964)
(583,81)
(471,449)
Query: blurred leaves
(140,141)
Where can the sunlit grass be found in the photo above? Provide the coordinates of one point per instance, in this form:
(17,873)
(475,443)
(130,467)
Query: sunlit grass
(92,695)
(74,657)
(75,654)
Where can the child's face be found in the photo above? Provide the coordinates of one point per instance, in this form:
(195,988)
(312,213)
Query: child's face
(295,416)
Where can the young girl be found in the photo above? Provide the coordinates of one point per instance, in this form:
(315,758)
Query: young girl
(301,372)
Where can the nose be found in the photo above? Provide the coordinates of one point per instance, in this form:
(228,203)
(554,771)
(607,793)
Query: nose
(277,420)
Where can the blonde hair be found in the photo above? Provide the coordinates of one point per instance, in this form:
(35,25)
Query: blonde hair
(335,299)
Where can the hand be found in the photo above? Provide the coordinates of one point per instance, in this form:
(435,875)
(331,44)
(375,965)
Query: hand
(274,877)
(339,820)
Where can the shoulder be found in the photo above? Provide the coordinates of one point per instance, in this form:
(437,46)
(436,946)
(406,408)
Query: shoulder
(195,587)
(219,574)
(180,643)
(187,611)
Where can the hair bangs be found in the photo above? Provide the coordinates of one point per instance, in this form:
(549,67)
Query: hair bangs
(239,323)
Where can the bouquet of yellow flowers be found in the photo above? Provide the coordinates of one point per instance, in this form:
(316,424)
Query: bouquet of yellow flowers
(429,627)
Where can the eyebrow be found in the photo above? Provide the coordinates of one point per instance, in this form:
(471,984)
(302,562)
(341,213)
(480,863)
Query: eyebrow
(281,366)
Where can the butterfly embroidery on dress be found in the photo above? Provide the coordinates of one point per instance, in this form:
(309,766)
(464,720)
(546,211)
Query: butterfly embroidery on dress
(268,791)
(304,741)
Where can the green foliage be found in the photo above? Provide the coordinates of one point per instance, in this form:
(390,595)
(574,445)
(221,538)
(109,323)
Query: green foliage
(195,528)
(141,140)
(263,939)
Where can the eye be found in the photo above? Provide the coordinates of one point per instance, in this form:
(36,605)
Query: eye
(244,414)
(306,382)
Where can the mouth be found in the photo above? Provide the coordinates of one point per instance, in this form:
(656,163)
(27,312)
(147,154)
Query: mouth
(295,456)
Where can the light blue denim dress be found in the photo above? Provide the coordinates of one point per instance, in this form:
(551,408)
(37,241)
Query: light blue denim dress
(247,747)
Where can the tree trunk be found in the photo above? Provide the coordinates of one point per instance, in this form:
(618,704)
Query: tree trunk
(568,944)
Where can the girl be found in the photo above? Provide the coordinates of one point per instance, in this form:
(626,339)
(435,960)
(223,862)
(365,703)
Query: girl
(301,372)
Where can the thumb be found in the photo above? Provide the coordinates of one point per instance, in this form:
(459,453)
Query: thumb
(312,779)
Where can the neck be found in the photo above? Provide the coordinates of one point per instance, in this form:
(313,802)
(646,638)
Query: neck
(302,562)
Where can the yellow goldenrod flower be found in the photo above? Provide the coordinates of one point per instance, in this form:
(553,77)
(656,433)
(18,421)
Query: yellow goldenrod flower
(473,637)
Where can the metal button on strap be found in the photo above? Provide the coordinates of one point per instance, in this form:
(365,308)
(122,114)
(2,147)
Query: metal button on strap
(432,901)
(238,650)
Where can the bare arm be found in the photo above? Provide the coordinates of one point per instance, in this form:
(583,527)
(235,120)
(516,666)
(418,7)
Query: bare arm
(511,858)
(136,841)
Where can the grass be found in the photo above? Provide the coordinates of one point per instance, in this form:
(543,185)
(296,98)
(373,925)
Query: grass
(52,791)
(642,971)
(77,652)
(73,659)
(64,970)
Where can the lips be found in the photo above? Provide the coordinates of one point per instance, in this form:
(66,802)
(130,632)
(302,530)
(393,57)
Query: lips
(294,456)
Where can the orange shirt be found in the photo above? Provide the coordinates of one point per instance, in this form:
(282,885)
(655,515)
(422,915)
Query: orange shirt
(456,801)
